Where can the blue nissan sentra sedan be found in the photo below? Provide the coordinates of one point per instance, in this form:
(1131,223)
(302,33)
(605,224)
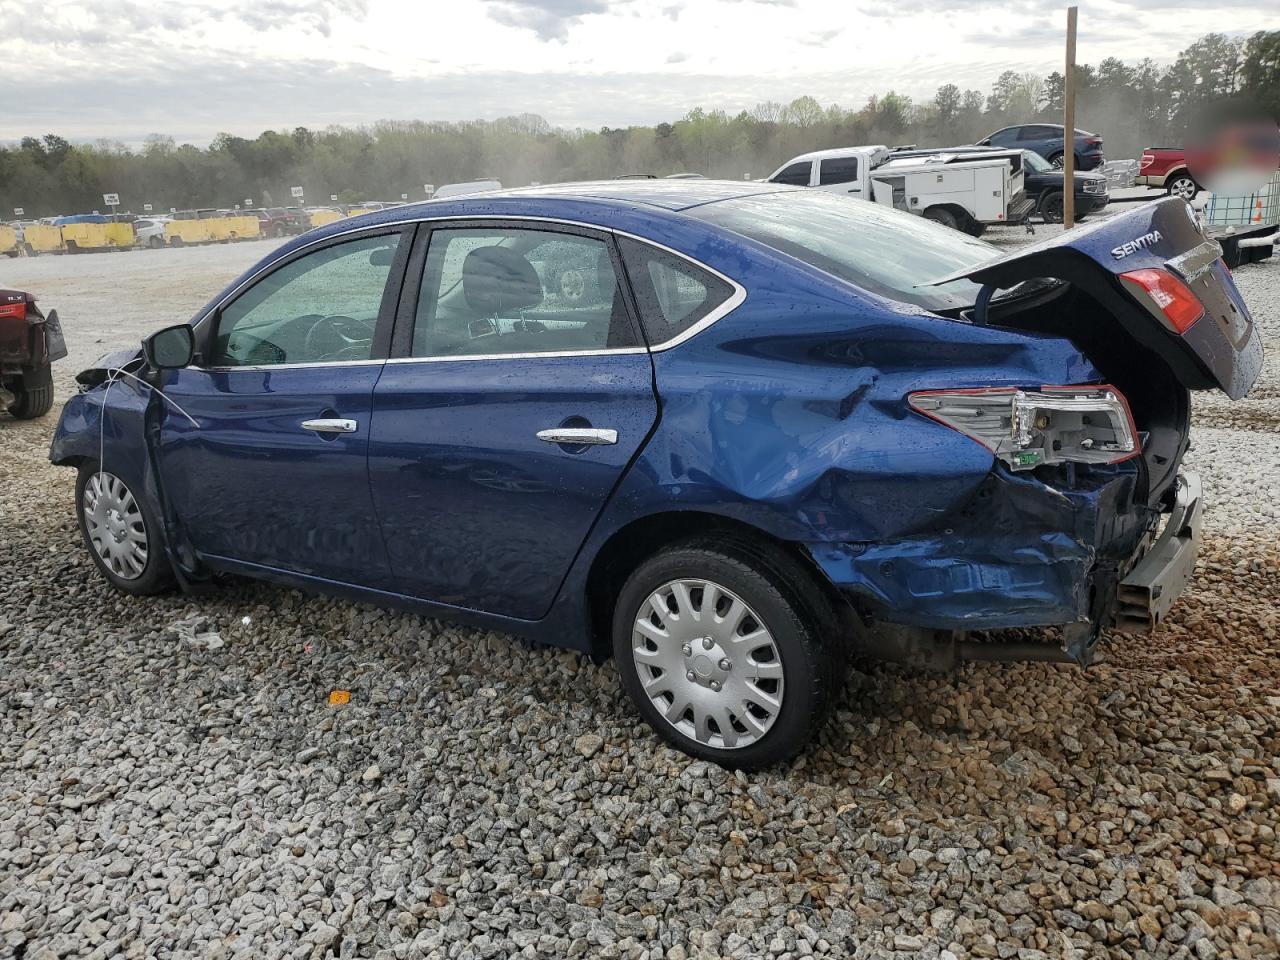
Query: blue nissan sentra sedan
(729,433)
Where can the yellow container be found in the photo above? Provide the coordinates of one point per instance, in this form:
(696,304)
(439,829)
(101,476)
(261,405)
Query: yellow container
(321,217)
(97,236)
(42,238)
(120,234)
(8,240)
(84,236)
(241,228)
(178,232)
(356,211)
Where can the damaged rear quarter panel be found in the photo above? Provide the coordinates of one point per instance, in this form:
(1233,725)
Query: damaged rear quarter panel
(791,413)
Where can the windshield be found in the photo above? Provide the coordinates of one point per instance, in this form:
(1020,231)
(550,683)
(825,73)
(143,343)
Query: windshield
(1036,162)
(886,251)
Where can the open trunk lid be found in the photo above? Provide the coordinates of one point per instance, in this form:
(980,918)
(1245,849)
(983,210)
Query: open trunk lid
(1221,348)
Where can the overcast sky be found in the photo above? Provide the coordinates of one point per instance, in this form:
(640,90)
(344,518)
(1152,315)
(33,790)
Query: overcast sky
(126,68)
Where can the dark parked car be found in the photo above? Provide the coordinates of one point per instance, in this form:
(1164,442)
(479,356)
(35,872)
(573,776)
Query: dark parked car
(284,222)
(1048,140)
(730,433)
(29,344)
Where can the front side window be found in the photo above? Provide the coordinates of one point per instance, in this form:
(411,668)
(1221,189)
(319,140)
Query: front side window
(795,175)
(672,294)
(320,308)
(1002,138)
(502,291)
(838,170)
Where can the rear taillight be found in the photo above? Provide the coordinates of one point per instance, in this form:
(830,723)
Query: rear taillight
(1166,296)
(13,311)
(1146,161)
(1030,428)
(1093,141)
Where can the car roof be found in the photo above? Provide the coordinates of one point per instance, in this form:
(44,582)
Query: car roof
(836,152)
(675,194)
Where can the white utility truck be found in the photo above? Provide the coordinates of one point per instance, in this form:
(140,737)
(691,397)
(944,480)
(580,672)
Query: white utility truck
(969,194)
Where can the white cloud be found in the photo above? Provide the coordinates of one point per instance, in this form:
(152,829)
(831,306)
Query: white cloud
(127,67)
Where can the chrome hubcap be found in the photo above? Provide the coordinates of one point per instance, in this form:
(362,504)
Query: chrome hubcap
(708,663)
(115,525)
(1185,189)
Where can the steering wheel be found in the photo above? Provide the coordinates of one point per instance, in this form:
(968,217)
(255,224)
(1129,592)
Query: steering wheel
(330,339)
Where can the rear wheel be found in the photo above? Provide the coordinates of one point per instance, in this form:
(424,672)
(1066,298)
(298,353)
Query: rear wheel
(33,394)
(1182,185)
(723,651)
(943,216)
(120,532)
(175,241)
(1052,208)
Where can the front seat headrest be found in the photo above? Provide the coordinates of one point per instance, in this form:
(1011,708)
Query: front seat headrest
(497,279)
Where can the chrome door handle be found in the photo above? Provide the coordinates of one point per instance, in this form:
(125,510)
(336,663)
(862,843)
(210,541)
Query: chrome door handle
(578,435)
(330,425)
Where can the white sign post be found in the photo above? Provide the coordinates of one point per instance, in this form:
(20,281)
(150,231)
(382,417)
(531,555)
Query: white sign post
(429,189)
(333,197)
(404,196)
(112,200)
(18,211)
(248,204)
(146,208)
(296,192)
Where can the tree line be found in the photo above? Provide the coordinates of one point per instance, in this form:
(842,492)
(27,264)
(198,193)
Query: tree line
(1131,105)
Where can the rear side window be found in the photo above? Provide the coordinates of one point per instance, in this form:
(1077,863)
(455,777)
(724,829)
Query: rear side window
(673,294)
(838,170)
(796,175)
(1036,132)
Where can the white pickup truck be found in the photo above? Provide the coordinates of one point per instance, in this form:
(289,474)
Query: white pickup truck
(968,194)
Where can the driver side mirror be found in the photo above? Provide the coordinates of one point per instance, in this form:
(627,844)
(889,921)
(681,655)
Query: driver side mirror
(169,349)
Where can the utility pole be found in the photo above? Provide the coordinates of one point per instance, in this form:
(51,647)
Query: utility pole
(1069,127)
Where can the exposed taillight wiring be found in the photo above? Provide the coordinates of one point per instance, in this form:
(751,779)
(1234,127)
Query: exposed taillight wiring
(1030,428)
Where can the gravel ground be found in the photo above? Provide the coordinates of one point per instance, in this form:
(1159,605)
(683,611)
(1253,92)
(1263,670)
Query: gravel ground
(174,782)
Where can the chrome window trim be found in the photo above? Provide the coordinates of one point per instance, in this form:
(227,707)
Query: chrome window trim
(731,303)
(288,366)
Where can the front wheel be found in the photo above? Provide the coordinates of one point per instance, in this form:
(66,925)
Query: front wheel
(724,655)
(121,533)
(1052,207)
(32,394)
(1057,162)
(155,243)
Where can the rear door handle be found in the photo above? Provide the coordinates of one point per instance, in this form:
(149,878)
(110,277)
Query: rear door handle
(578,435)
(330,425)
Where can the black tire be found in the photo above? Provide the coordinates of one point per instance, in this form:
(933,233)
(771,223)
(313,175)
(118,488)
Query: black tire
(155,242)
(973,228)
(785,600)
(1183,185)
(943,216)
(157,575)
(1056,161)
(1051,208)
(33,394)
(175,241)
(279,230)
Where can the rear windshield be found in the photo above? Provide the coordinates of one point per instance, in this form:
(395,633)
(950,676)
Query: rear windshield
(886,251)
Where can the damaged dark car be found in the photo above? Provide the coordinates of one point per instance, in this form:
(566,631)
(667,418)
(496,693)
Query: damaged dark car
(729,434)
(30,342)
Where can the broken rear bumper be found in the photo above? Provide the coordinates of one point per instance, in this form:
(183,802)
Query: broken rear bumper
(1163,571)
(1025,554)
